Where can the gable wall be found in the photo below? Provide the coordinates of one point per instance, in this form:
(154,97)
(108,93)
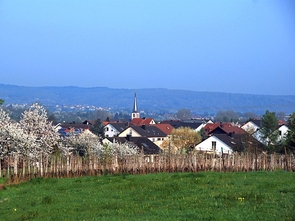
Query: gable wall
(110,131)
(206,145)
(126,132)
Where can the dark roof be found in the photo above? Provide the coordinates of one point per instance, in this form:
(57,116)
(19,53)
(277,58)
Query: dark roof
(257,122)
(149,131)
(142,143)
(226,139)
(173,123)
(192,125)
(154,131)
(75,125)
(91,122)
(119,126)
(239,142)
(146,145)
(177,123)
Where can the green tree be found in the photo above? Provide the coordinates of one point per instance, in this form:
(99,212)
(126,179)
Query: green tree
(1,101)
(52,118)
(98,128)
(281,115)
(202,133)
(290,141)
(184,114)
(227,116)
(269,130)
(101,114)
(250,115)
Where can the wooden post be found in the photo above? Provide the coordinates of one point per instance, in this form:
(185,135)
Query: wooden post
(255,158)
(29,165)
(222,158)
(15,159)
(41,165)
(286,159)
(68,165)
(8,165)
(24,168)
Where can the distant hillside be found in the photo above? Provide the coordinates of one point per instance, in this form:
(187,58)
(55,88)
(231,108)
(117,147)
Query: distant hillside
(148,99)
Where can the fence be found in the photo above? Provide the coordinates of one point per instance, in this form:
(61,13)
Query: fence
(18,169)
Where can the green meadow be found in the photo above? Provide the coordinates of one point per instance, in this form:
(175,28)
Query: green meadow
(162,196)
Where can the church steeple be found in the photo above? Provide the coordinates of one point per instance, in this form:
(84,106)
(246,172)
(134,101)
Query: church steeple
(135,113)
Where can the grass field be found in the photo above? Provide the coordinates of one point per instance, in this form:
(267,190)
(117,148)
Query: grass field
(174,196)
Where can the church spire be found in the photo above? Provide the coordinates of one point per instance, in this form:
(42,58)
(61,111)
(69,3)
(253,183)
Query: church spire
(135,113)
(135,104)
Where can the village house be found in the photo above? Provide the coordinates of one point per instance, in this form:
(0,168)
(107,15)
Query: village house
(141,143)
(114,129)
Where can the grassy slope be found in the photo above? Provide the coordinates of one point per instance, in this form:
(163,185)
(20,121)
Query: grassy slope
(175,196)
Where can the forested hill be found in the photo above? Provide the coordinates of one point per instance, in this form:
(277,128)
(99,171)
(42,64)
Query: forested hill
(148,99)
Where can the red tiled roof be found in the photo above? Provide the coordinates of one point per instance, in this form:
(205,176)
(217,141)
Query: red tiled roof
(141,121)
(233,129)
(226,127)
(166,128)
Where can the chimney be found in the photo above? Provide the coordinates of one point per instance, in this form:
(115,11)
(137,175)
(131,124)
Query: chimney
(231,134)
(221,125)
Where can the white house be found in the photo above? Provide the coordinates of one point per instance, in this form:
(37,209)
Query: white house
(114,129)
(283,131)
(253,127)
(216,144)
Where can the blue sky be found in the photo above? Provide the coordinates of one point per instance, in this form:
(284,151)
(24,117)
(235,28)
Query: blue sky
(244,46)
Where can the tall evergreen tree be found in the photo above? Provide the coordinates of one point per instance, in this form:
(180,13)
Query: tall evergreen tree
(98,128)
(268,129)
(290,142)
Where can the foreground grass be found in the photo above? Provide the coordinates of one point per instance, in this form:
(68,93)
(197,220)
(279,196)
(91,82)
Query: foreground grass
(175,196)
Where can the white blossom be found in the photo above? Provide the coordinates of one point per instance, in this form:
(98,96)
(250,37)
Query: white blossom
(34,122)
(89,144)
(13,140)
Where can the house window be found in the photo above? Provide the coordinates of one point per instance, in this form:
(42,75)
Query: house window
(213,145)
(107,129)
(280,133)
